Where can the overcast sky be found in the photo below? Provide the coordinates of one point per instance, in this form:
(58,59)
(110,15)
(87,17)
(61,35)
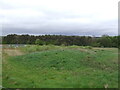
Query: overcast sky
(68,17)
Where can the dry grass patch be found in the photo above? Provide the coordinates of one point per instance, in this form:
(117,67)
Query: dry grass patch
(13,52)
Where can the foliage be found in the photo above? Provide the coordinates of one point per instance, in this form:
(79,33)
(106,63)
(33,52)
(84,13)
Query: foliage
(104,41)
(39,42)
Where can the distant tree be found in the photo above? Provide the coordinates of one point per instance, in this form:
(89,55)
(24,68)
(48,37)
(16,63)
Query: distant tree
(39,42)
(105,41)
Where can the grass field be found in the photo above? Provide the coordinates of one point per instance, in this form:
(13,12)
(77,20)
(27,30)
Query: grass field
(60,67)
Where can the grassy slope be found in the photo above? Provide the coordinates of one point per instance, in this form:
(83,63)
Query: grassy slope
(57,67)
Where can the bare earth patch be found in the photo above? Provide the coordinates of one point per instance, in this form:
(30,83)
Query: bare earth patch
(13,52)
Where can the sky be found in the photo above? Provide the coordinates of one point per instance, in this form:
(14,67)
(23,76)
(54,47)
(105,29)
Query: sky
(65,17)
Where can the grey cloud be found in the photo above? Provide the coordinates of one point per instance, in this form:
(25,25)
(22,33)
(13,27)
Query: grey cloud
(67,29)
(54,21)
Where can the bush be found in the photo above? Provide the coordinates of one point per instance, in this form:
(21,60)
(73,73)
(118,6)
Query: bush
(95,44)
(39,42)
(87,47)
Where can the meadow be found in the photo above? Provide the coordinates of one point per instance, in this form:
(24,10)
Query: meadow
(50,66)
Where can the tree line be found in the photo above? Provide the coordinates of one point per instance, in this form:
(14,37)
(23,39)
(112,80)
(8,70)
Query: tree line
(103,41)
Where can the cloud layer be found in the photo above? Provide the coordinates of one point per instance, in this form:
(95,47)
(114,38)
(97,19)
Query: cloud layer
(69,17)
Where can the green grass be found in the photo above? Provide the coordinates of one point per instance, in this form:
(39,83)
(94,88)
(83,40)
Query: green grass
(62,67)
